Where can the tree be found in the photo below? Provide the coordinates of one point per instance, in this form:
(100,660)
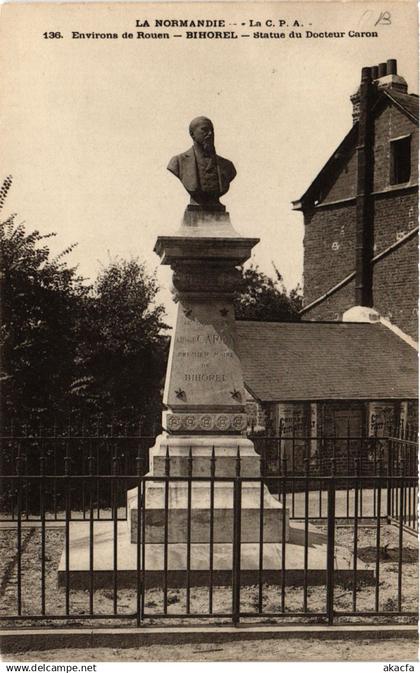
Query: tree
(41,299)
(122,352)
(98,350)
(263,298)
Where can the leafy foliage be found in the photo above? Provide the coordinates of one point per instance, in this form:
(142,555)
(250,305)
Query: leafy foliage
(122,352)
(263,298)
(40,303)
(70,350)
(95,351)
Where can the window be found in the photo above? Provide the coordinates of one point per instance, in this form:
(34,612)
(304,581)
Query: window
(400,160)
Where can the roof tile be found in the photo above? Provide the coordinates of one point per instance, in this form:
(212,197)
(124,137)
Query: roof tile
(320,361)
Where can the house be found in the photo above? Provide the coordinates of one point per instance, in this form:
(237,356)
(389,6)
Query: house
(326,378)
(351,365)
(361,211)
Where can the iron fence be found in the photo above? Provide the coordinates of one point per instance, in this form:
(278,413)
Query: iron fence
(55,455)
(77,425)
(398,446)
(229,568)
(80,455)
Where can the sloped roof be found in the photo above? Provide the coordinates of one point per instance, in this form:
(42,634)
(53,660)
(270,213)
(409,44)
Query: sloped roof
(407,103)
(322,361)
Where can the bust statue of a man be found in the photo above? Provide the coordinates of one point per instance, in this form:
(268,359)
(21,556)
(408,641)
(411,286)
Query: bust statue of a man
(204,174)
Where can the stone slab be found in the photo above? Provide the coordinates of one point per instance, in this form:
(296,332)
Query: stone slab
(35,639)
(178,495)
(200,526)
(200,496)
(226,451)
(205,244)
(103,569)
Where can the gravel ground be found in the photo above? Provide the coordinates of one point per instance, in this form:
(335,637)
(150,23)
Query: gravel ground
(103,598)
(259,650)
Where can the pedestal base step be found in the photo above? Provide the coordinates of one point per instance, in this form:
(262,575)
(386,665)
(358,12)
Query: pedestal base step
(177,531)
(271,518)
(199,574)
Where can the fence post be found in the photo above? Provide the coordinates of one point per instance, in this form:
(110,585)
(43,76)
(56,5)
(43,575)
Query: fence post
(140,551)
(91,527)
(166,532)
(331,545)
(236,560)
(42,489)
(388,481)
(114,504)
(67,461)
(19,530)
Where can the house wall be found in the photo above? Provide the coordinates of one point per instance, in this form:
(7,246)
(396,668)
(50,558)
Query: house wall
(345,183)
(395,287)
(334,429)
(330,236)
(391,124)
(256,420)
(329,243)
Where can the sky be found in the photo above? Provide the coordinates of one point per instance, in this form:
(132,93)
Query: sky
(89,125)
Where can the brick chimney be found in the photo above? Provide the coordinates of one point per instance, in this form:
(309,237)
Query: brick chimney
(364,212)
(384,76)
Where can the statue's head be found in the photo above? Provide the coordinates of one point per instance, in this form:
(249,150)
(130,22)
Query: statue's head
(205,181)
(202,132)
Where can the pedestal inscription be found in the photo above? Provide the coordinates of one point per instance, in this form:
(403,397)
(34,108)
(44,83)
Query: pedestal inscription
(204,370)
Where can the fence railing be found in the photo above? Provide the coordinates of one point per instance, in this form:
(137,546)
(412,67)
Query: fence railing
(348,452)
(78,455)
(323,573)
(349,457)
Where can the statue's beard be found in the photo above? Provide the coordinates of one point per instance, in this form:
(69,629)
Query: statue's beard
(208,146)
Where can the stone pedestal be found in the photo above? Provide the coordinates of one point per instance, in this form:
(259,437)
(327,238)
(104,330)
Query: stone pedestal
(206,506)
(204,421)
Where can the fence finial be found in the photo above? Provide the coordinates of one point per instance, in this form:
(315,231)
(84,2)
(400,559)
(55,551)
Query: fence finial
(238,462)
(190,462)
(213,463)
(167,464)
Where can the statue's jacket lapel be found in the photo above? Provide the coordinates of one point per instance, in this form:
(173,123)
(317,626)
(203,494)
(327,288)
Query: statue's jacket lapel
(188,170)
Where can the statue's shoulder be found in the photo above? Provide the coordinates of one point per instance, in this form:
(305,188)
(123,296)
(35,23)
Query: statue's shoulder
(179,160)
(173,165)
(226,166)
